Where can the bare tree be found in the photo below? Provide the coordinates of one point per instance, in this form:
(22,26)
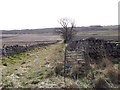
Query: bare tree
(68,29)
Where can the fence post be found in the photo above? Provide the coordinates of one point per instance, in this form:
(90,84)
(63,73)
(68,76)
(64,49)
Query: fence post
(65,51)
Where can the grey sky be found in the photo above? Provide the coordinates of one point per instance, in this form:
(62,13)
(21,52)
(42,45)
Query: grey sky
(23,14)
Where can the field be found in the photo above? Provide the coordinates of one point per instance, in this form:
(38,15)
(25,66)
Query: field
(44,66)
(2,36)
(100,34)
(9,39)
(22,39)
(33,68)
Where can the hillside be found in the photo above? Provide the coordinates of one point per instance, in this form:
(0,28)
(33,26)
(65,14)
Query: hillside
(52,30)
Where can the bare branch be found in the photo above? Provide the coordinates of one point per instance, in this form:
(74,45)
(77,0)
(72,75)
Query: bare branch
(67,31)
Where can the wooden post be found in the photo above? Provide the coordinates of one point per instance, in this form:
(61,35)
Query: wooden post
(65,63)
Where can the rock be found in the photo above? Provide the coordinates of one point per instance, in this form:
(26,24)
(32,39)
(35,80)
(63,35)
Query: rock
(5,64)
(18,74)
(23,63)
(35,82)
(42,83)
(16,69)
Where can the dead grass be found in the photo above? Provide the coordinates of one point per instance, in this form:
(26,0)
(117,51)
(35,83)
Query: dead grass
(37,64)
(100,83)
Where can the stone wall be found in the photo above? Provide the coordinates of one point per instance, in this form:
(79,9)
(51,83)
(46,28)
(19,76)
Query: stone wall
(15,49)
(97,48)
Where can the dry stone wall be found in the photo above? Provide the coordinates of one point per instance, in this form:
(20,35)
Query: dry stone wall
(81,53)
(96,48)
(15,49)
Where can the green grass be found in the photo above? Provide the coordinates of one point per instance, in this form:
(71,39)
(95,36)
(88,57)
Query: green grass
(12,59)
(36,60)
(85,82)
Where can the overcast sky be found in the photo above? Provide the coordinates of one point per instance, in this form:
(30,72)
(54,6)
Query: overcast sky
(26,14)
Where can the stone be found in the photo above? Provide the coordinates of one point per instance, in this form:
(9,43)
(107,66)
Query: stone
(42,83)
(5,64)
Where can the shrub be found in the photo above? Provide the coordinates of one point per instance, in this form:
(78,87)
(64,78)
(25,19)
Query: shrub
(59,69)
(101,84)
(113,76)
(49,74)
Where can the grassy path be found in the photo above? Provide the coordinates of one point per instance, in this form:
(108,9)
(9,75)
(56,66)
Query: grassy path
(33,68)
